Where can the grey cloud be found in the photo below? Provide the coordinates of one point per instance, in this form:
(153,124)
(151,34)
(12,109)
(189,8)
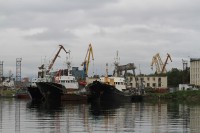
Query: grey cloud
(26,14)
(138,29)
(50,5)
(52,34)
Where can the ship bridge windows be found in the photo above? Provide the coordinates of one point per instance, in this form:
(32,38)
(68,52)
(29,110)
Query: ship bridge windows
(67,81)
(118,83)
(71,81)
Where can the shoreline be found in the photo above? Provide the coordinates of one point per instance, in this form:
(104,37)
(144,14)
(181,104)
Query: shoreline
(187,96)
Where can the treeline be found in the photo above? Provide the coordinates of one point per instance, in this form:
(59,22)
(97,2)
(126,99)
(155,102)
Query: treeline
(176,77)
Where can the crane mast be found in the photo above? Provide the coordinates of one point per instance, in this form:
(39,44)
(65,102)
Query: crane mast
(86,61)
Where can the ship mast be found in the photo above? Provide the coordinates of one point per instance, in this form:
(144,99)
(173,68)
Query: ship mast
(116,63)
(68,64)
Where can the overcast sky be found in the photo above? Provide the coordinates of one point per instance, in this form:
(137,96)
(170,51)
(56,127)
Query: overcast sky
(138,29)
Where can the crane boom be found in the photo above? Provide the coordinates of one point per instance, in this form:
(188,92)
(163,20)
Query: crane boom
(55,57)
(86,61)
(164,66)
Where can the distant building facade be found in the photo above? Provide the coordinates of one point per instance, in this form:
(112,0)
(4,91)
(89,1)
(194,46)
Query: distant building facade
(195,71)
(78,74)
(148,81)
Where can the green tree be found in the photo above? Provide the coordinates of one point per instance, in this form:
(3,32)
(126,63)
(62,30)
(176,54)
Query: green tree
(176,77)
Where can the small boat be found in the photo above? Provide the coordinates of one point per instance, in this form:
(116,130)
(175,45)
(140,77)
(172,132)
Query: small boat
(22,94)
(99,91)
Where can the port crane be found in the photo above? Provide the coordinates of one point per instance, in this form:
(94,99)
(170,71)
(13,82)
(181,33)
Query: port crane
(86,61)
(55,57)
(160,66)
(53,60)
(157,61)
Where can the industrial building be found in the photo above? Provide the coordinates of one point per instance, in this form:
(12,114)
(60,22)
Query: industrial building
(148,81)
(195,71)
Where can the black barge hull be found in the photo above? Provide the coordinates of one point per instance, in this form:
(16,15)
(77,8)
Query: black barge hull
(51,91)
(35,93)
(98,91)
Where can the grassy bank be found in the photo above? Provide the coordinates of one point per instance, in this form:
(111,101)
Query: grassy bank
(7,92)
(179,95)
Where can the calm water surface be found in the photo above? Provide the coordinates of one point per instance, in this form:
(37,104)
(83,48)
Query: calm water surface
(23,116)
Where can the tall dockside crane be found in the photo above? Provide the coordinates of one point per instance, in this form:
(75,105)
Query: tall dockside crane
(86,61)
(55,57)
(43,70)
(160,67)
(155,61)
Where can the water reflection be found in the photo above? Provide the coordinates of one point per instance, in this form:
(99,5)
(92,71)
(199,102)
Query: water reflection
(153,116)
(102,108)
(48,106)
(60,117)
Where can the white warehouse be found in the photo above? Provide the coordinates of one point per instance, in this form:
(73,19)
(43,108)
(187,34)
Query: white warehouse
(195,71)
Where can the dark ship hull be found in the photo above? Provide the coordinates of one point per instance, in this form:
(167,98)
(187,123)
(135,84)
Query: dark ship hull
(98,91)
(51,91)
(35,93)
(57,92)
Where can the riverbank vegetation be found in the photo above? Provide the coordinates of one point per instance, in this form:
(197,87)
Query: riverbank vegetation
(189,95)
(8,92)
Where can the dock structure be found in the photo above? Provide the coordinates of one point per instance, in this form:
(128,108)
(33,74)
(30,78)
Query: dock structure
(125,68)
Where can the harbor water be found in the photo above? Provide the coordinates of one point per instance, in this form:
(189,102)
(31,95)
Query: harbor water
(24,116)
